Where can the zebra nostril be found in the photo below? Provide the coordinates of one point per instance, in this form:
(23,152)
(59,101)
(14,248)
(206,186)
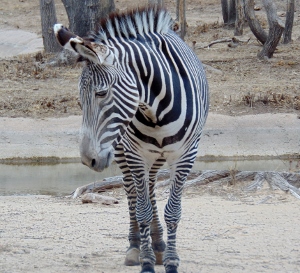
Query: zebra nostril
(93,163)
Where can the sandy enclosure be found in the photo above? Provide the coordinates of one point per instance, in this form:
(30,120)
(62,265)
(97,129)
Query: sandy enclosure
(219,232)
(222,229)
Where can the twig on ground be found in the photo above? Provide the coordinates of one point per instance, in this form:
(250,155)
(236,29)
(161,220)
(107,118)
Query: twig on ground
(233,40)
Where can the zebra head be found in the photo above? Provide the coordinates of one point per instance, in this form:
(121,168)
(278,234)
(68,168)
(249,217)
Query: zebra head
(109,98)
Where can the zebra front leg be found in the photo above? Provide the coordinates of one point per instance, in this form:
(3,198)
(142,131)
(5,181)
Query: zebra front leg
(133,251)
(144,216)
(140,211)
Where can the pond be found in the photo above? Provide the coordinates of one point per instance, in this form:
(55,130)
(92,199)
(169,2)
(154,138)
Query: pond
(63,179)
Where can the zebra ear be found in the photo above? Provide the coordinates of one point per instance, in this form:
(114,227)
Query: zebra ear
(105,55)
(76,44)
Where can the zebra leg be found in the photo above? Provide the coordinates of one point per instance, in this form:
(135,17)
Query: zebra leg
(144,216)
(133,251)
(173,214)
(158,243)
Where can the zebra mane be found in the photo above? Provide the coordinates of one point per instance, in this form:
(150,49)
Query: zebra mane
(133,23)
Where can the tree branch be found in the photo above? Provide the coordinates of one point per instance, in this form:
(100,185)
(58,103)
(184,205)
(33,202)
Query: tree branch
(276,28)
(254,24)
(277,180)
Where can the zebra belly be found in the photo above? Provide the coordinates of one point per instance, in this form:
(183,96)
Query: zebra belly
(149,150)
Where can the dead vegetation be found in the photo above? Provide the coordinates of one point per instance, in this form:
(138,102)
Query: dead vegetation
(276,100)
(239,82)
(32,87)
(240,183)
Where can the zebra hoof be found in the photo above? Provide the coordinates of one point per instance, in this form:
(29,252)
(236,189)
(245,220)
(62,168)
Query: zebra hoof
(159,249)
(171,269)
(132,257)
(159,258)
(147,268)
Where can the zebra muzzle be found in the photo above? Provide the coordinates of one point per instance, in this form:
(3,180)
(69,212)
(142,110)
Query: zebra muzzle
(98,162)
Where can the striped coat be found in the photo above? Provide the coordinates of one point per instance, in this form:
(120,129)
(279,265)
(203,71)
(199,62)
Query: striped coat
(145,101)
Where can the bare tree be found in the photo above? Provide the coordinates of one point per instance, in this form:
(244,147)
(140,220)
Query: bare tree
(228,12)
(240,17)
(224,4)
(232,12)
(253,22)
(84,15)
(276,28)
(287,33)
(181,17)
(48,19)
(156,2)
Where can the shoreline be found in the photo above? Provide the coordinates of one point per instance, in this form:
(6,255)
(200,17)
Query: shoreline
(56,140)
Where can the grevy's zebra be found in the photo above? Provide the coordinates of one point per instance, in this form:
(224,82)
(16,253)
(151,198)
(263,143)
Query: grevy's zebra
(144,96)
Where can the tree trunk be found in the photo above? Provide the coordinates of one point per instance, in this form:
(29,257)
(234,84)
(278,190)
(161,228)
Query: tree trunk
(84,15)
(287,33)
(240,18)
(224,4)
(48,19)
(228,12)
(232,12)
(254,24)
(160,3)
(180,13)
(276,28)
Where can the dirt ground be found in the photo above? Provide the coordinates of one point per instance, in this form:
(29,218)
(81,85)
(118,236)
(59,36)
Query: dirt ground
(222,229)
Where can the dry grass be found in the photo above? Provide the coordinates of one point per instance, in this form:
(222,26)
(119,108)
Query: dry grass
(27,66)
(272,99)
(33,88)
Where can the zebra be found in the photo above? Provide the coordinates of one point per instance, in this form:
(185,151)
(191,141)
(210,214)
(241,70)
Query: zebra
(144,98)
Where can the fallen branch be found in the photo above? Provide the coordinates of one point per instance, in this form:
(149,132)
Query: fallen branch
(277,180)
(233,40)
(206,177)
(99,186)
(111,182)
(225,40)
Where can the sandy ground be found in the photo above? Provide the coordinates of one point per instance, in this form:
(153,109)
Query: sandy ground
(223,229)
(47,234)
(16,41)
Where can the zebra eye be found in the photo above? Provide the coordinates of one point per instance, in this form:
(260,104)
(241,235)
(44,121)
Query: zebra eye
(101,93)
